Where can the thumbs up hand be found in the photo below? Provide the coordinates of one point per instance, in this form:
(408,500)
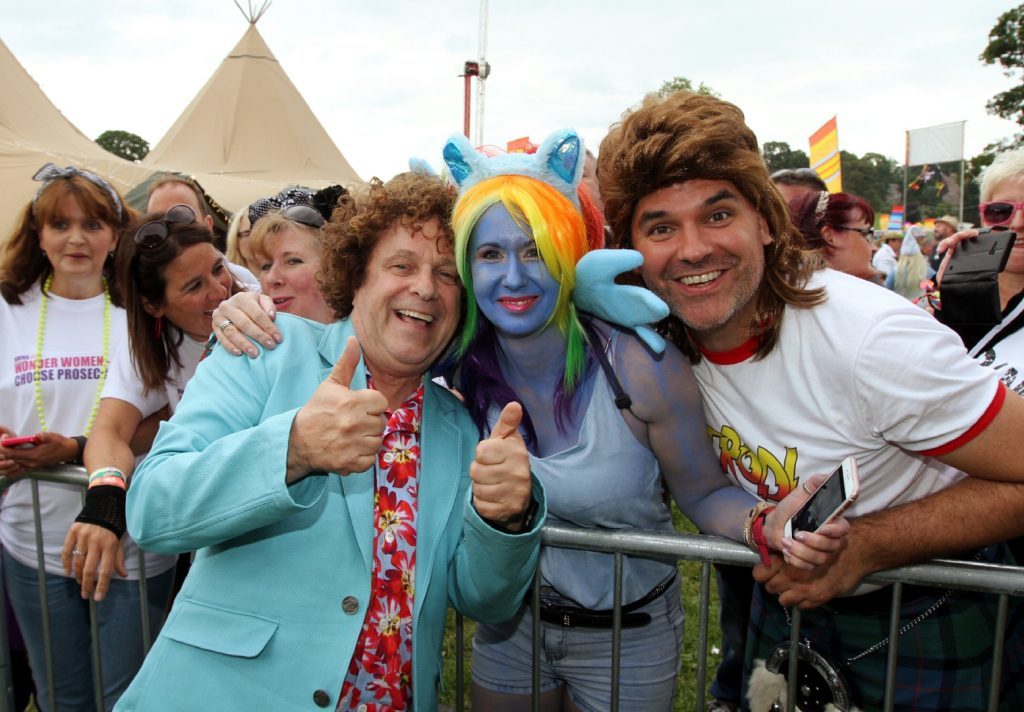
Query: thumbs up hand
(500,472)
(339,429)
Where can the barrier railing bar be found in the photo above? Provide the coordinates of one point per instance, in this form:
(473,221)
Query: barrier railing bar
(616,631)
(37,516)
(535,629)
(997,655)
(702,632)
(893,652)
(941,573)
(794,659)
(460,683)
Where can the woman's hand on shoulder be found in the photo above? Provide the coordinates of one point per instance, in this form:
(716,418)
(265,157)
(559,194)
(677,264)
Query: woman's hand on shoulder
(246,316)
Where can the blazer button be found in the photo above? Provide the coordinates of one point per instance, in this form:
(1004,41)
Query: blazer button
(350,604)
(321,698)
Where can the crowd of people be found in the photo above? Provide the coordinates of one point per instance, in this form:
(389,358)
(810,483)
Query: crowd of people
(414,375)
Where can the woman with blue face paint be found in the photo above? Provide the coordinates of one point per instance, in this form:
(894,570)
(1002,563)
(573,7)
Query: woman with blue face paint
(608,425)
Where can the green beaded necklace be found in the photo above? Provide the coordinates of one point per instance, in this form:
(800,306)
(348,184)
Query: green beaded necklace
(39,356)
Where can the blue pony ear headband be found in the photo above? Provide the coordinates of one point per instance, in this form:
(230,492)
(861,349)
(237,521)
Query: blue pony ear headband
(558,162)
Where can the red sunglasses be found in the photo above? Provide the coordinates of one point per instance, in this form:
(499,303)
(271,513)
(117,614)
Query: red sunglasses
(999,212)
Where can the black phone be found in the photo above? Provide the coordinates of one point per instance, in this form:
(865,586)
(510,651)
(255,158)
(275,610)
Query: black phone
(988,252)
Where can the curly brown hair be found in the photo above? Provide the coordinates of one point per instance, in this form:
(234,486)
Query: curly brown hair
(364,216)
(687,136)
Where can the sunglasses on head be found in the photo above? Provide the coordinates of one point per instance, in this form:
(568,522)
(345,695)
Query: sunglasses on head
(999,212)
(155,232)
(304,215)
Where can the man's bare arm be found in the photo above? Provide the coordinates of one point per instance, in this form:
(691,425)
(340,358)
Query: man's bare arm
(968,515)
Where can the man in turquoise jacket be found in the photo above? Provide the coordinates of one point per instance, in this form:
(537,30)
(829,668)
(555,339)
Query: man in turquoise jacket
(270,470)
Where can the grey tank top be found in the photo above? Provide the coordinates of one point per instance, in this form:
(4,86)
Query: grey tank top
(608,480)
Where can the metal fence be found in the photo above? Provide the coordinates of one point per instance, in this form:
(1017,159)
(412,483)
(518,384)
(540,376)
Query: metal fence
(1003,581)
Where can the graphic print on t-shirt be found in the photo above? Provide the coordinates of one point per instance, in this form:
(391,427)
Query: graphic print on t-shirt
(773,478)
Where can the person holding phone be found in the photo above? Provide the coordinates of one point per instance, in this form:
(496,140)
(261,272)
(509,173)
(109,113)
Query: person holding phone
(1000,347)
(785,351)
(61,325)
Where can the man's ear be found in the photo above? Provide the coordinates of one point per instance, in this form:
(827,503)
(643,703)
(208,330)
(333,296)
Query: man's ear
(766,234)
(208,220)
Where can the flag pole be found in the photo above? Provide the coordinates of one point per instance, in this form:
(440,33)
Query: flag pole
(906,160)
(963,160)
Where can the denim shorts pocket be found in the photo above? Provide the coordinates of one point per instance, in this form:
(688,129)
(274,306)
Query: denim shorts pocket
(219,630)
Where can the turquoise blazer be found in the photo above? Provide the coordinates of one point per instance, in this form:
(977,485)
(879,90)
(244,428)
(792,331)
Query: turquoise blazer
(271,610)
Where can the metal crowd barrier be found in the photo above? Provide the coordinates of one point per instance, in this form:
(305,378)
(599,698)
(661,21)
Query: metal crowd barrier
(74,475)
(1004,581)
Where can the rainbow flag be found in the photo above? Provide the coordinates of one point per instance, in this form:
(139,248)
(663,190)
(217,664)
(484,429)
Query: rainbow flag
(825,159)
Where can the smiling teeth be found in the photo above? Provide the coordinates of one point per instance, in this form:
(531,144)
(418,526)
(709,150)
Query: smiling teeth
(700,278)
(416,315)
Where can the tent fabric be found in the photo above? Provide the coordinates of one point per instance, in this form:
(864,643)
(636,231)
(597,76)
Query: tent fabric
(33,132)
(249,122)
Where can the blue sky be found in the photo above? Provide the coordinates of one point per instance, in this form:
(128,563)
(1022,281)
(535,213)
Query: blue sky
(383,77)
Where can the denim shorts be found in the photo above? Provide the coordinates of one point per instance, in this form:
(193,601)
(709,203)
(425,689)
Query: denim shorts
(581,658)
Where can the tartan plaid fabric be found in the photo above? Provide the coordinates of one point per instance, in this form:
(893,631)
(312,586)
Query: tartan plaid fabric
(944,662)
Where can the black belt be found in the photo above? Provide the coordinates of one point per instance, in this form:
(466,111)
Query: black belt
(577,617)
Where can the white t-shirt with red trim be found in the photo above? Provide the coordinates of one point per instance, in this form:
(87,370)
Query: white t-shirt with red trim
(865,373)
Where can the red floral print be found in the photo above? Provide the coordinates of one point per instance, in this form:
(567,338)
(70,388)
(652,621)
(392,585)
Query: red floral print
(380,672)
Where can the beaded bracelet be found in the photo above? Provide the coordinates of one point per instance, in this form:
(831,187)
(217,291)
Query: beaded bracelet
(109,480)
(114,475)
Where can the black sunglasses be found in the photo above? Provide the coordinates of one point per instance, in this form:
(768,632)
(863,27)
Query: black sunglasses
(304,215)
(866,232)
(155,232)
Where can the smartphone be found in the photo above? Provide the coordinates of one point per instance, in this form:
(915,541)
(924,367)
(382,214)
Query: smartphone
(988,252)
(20,440)
(829,501)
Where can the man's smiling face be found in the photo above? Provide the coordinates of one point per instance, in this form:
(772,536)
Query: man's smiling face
(703,247)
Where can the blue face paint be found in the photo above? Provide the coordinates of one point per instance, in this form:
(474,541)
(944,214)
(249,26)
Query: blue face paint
(512,286)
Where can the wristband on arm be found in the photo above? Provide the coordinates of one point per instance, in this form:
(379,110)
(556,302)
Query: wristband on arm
(105,507)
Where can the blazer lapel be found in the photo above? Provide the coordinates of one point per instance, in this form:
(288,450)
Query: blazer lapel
(357,488)
(442,454)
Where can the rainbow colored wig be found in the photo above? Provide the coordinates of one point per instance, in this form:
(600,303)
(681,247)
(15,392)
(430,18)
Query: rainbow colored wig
(562,238)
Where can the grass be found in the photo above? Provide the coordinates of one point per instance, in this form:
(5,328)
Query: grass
(686,694)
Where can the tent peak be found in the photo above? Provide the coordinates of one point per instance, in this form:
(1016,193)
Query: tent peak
(253,14)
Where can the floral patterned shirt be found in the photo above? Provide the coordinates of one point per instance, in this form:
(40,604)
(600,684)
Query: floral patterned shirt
(379,677)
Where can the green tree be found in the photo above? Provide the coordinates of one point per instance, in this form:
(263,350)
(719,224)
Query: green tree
(1006,48)
(874,177)
(683,84)
(778,155)
(124,144)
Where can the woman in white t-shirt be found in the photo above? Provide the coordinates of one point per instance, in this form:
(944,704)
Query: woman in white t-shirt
(171,278)
(60,326)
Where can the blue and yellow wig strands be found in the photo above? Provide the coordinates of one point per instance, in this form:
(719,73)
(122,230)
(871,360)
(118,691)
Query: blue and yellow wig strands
(562,239)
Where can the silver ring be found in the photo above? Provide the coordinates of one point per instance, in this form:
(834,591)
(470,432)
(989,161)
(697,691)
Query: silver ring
(76,552)
(805,488)
(224,324)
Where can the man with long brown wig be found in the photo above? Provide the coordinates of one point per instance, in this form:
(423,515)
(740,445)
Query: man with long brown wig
(785,351)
